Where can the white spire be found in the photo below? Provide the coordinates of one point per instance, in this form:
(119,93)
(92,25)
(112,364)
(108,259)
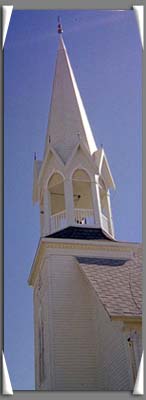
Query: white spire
(67,120)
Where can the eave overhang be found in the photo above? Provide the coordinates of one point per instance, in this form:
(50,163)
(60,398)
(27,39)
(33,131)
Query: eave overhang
(74,247)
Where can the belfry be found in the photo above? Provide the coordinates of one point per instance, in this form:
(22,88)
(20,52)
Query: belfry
(75,190)
(84,312)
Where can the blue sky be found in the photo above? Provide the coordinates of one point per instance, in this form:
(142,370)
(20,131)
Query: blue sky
(105,52)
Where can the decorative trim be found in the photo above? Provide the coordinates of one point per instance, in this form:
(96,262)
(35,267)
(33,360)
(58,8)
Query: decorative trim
(80,146)
(95,243)
(84,245)
(55,171)
(52,151)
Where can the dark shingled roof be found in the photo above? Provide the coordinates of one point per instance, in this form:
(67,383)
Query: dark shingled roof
(118,283)
(73,232)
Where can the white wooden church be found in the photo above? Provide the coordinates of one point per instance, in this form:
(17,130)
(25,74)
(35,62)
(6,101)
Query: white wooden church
(87,285)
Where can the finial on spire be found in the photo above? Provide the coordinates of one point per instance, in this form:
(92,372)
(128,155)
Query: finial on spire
(60,30)
(35,155)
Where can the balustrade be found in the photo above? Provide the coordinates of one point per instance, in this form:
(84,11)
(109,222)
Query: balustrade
(105,223)
(81,216)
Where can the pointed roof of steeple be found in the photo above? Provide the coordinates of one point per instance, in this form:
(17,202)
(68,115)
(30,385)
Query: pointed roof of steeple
(68,123)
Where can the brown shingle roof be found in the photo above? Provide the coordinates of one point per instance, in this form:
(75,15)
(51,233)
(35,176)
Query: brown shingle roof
(118,283)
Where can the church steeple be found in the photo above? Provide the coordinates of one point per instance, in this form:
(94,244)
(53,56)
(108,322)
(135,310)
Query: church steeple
(79,271)
(72,182)
(67,119)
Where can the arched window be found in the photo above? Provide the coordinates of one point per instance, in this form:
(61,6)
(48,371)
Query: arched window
(57,202)
(82,196)
(56,190)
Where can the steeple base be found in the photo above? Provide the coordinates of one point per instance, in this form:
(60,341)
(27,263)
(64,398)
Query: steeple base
(85,233)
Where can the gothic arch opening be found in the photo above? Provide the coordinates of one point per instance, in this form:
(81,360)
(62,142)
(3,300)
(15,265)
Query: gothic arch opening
(82,197)
(57,202)
(56,191)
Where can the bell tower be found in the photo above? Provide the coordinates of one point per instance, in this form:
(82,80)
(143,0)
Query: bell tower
(72,182)
(71,185)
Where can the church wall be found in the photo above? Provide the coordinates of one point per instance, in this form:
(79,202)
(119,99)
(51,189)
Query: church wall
(70,333)
(114,364)
(42,310)
(84,349)
(74,327)
(112,352)
(133,336)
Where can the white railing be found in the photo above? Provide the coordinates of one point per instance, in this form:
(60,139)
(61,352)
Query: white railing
(58,221)
(84,216)
(105,223)
(81,216)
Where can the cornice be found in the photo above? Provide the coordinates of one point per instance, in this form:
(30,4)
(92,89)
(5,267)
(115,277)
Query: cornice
(45,244)
(87,246)
(92,244)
